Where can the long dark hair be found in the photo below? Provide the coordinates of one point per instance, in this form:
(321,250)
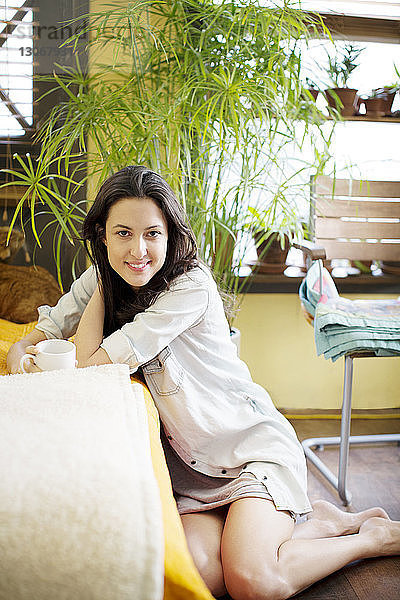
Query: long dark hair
(121,302)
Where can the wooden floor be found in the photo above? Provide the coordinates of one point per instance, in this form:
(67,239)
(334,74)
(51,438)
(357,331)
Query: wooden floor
(374,480)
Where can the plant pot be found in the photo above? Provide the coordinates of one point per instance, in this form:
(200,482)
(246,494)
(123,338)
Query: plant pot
(266,268)
(375,107)
(381,104)
(344,100)
(270,250)
(271,255)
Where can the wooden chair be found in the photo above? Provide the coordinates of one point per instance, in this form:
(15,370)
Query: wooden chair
(356,220)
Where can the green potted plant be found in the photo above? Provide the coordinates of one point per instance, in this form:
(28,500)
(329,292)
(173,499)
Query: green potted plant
(379,102)
(341,65)
(205,93)
(272,250)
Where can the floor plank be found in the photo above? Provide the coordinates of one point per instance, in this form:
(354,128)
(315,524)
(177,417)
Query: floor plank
(334,587)
(377,578)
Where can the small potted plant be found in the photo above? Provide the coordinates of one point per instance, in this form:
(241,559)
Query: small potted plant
(379,102)
(340,66)
(272,250)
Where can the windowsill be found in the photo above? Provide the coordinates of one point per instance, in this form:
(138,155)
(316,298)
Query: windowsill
(355,284)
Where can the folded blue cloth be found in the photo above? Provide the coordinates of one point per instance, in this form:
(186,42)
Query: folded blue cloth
(342,326)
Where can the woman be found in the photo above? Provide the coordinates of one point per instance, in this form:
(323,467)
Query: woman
(237,468)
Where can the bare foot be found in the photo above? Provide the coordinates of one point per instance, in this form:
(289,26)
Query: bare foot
(384,536)
(339,522)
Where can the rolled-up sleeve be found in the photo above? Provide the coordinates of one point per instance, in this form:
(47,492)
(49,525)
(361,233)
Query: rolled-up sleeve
(174,311)
(61,320)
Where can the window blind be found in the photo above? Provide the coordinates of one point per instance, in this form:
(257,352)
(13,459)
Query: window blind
(31,36)
(18,19)
(17,62)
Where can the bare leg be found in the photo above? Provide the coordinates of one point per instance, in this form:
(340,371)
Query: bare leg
(203,532)
(327,520)
(261,560)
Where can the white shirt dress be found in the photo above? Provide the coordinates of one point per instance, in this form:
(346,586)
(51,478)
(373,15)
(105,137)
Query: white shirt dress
(216,421)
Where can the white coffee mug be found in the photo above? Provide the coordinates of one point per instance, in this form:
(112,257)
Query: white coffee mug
(52,355)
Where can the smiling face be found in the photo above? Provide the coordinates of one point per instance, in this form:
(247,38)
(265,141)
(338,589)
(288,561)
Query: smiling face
(136,239)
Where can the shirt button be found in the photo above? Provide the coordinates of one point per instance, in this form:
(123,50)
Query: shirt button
(265,477)
(223,471)
(193,462)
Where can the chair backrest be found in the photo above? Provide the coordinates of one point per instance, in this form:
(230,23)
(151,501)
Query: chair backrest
(358,220)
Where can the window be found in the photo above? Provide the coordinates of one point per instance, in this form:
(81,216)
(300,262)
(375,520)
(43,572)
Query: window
(361,149)
(16,68)
(31,34)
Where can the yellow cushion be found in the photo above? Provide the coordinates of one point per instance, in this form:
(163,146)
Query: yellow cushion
(182,580)
(10,333)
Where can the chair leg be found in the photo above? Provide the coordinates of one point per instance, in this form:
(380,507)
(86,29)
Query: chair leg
(339,483)
(345,439)
(344,495)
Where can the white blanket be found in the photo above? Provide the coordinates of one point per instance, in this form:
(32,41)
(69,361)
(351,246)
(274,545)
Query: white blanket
(80,513)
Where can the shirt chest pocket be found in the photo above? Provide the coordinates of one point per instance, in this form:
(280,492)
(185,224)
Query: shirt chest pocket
(164,373)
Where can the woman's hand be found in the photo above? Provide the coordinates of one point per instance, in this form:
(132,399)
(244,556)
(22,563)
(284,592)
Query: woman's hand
(24,346)
(29,364)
